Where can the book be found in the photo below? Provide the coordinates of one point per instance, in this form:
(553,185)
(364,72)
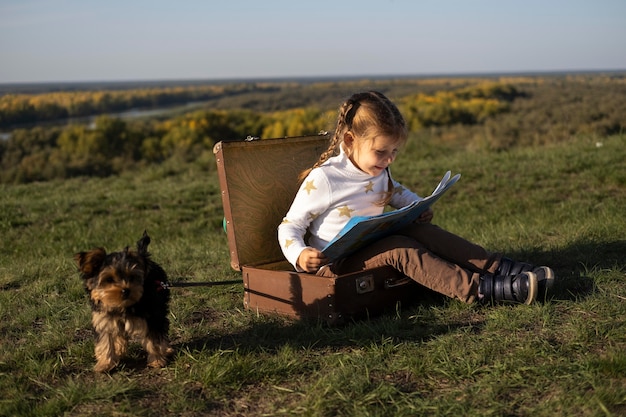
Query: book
(362,230)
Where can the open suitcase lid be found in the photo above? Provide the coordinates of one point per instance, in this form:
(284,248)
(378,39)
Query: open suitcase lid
(258,180)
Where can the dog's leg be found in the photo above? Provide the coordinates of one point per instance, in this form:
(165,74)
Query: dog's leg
(119,344)
(106,358)
(157,347)
(107,342)
(154,342)
(166,349)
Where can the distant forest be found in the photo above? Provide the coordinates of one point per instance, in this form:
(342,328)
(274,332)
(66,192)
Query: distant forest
(461,113)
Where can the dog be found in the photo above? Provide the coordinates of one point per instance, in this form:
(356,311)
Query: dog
(129,296)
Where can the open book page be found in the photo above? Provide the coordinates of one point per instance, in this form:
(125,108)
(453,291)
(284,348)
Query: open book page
(362,230)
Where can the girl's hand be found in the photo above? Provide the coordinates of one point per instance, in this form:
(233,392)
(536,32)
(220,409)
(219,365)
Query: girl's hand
(426,217)
(311,260)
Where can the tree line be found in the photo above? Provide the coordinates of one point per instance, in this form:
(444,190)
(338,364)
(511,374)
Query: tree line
(494,114)
(16,109)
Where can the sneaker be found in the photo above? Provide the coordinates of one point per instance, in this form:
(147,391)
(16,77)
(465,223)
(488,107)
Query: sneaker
(545,275)
(520,288)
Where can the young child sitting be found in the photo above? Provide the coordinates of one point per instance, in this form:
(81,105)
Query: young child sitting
(352,178)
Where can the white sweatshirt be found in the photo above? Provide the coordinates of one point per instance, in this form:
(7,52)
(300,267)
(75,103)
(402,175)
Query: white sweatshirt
(328,197)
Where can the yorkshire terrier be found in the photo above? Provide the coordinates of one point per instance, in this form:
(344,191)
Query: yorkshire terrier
(129,296)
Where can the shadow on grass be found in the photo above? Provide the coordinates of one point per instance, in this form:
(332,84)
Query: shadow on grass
(418,322)
(421,321)
(574,263)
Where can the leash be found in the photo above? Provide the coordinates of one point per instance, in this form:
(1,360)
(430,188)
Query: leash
(203,284)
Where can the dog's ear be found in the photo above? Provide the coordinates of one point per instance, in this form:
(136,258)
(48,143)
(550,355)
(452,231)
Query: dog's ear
(142,244)
(89,263)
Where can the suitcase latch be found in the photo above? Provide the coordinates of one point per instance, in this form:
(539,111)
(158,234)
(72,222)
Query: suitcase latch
(365,284)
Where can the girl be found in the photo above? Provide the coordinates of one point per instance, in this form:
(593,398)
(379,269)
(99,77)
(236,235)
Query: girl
(352,178)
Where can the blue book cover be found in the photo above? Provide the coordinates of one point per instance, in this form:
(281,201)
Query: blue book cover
(362,230)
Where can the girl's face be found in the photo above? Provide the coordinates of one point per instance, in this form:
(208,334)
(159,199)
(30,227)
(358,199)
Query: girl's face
(371,156)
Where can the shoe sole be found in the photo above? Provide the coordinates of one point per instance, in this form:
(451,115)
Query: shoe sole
(547,282)
(550,277)
(533,288)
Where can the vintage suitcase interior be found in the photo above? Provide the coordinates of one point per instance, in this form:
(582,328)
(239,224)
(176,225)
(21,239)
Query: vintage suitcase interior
(258,180)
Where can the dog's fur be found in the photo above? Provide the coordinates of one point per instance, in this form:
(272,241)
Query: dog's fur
(129,297)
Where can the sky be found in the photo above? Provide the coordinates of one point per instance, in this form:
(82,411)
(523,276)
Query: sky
(144,40)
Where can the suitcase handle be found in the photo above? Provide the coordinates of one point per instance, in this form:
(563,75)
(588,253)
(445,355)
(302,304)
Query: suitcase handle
(396,282)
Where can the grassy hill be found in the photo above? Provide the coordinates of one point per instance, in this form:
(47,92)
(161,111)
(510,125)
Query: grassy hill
(559,203)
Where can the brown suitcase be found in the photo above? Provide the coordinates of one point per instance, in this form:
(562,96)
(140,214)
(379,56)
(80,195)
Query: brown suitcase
(258,180)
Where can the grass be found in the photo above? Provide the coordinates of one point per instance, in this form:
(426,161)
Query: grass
(560,204)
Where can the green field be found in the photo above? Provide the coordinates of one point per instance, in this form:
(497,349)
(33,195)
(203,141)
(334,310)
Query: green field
(560,203)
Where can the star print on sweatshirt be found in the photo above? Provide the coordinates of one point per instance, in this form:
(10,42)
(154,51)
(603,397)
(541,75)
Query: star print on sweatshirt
(328,197)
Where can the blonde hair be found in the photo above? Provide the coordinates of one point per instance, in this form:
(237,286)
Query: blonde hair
(366,115)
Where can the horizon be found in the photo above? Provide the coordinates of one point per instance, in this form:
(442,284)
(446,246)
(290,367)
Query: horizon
(310,79)
(69,41)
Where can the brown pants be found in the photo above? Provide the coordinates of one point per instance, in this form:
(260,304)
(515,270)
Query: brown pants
(428,254)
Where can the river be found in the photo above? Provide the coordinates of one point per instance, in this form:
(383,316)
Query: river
(127,114)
